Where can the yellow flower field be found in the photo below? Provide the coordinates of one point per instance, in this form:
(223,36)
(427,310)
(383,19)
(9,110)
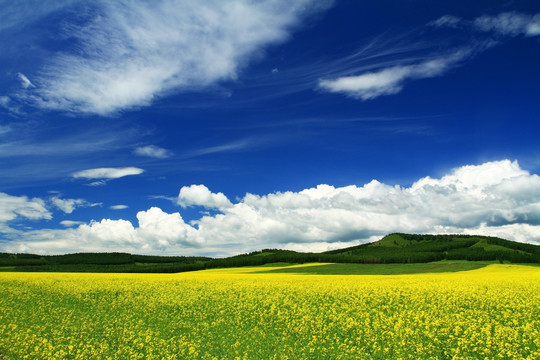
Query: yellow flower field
(490,313)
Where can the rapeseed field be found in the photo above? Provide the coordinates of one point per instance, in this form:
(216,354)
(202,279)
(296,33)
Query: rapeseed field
(490,313)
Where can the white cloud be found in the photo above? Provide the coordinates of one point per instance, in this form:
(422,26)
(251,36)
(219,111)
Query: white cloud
(199,195)
(25,83)
(4,129)
(17,14)
(507,23)
(157,232)
(231,146)
(8,104)
(12,207)
(446,21)
(119,207)
(390,81)
(71,223)
(4,101)
(130,53)
(68,205)
(495,198)
(490,196)
(152,151)
(510,24)
(108,232)
(107,173)
(97,183)
(161,230)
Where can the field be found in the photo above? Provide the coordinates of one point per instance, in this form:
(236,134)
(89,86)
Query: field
(243,313)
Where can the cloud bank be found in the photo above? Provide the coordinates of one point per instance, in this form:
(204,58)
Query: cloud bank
(495,198)
(130,53)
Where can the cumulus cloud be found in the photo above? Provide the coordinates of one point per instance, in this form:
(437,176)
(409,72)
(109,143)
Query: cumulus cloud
(152,151)
(129,53)
(495,198)
(162,229)
(490,196)
(390,80)
(200,195)
(157,232)
(107,173)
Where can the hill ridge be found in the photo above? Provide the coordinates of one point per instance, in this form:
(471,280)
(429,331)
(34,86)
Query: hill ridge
(393,248)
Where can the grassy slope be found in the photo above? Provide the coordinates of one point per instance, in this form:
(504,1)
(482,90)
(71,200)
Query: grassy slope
(380,269)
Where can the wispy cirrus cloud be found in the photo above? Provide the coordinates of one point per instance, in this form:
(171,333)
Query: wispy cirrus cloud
(4,129)
(17,14)
(7,103)
(506,24)
(130,53)
(390,80)
(238,145)
(25,83)
(446,21)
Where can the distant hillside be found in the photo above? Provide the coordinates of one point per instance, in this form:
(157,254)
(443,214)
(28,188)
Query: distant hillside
(394,248)
(410,248)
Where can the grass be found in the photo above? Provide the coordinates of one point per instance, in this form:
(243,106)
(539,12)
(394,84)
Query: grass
(277,264)
(380,269)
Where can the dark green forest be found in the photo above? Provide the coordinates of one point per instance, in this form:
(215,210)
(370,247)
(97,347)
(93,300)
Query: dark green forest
(395,248)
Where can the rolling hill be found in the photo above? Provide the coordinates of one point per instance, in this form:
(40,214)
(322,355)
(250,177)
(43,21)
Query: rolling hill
(395,248)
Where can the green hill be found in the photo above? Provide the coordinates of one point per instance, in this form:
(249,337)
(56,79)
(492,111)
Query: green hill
(392,249)
(411,248)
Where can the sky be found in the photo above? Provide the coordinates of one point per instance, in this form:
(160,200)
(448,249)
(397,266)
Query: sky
(224,127)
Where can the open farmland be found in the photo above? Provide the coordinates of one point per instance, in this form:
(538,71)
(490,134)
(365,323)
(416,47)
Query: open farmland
(492,312)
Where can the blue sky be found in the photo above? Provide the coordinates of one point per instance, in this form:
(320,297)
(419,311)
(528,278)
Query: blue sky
(215,128)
